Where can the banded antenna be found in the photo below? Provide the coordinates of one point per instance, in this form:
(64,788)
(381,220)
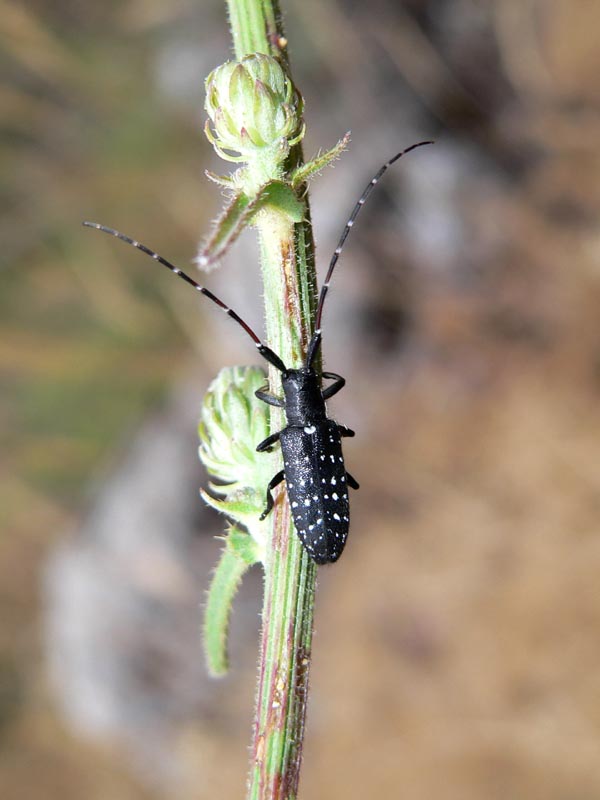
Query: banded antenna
(315,341)
(265,351)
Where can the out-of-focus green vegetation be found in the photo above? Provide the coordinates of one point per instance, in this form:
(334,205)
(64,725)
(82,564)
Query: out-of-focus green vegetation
(87,340)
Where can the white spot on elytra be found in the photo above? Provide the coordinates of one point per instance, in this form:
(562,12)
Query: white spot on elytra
(336,516)
(334,496)
(294,504)
(333,481)
(310,429)
(307,501)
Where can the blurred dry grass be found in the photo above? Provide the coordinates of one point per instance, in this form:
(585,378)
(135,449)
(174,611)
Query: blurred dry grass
(457,645)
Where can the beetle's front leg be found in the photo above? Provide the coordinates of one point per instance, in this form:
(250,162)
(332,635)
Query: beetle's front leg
(270,399)
(275,481)
(267,444)
(334,388)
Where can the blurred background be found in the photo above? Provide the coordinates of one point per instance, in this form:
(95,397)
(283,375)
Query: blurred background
(457,647)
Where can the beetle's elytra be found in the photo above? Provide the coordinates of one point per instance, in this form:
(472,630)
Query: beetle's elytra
(313,464)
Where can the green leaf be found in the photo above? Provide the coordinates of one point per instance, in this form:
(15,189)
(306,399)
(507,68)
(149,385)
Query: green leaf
(239,553)
(245,505)
(306,171)
(282,197)
(239,214)
(236,216)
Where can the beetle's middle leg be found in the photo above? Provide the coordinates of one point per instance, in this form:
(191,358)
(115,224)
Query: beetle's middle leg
(267,444)
(275,481)
(344,431)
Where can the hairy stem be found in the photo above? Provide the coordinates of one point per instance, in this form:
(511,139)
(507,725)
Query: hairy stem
(256,27)
(288,272)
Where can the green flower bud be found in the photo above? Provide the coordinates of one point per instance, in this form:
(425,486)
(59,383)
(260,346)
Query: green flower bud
(255,111)
(233,421)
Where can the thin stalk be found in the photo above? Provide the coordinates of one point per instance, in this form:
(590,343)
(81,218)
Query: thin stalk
(289,280)
(256,27)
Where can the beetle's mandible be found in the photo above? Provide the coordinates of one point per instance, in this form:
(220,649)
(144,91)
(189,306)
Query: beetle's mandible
(313,465)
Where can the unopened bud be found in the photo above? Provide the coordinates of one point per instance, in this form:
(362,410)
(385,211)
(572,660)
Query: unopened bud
(255,110)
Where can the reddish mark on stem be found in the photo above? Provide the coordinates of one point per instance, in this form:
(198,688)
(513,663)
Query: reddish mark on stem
(259,749)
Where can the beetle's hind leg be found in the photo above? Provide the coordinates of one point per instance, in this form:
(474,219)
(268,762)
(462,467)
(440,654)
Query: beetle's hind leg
(352,482)
(275,481)
(267,444)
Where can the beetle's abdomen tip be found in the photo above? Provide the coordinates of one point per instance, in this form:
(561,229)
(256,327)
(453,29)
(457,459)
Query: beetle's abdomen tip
(327,557)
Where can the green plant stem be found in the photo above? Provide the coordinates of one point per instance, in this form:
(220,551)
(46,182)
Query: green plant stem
(255,27)
(288,271)
(289,573)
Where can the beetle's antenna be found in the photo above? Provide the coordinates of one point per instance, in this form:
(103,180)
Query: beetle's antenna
(265,351)
(336,254)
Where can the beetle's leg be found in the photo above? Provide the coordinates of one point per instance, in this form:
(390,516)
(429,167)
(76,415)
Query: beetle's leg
(335,387)
(344,431)
(275,481)
(267,444)
(352,482)
(270,399)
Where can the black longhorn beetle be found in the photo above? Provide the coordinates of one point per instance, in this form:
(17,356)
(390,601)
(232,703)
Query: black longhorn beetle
(313,464)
